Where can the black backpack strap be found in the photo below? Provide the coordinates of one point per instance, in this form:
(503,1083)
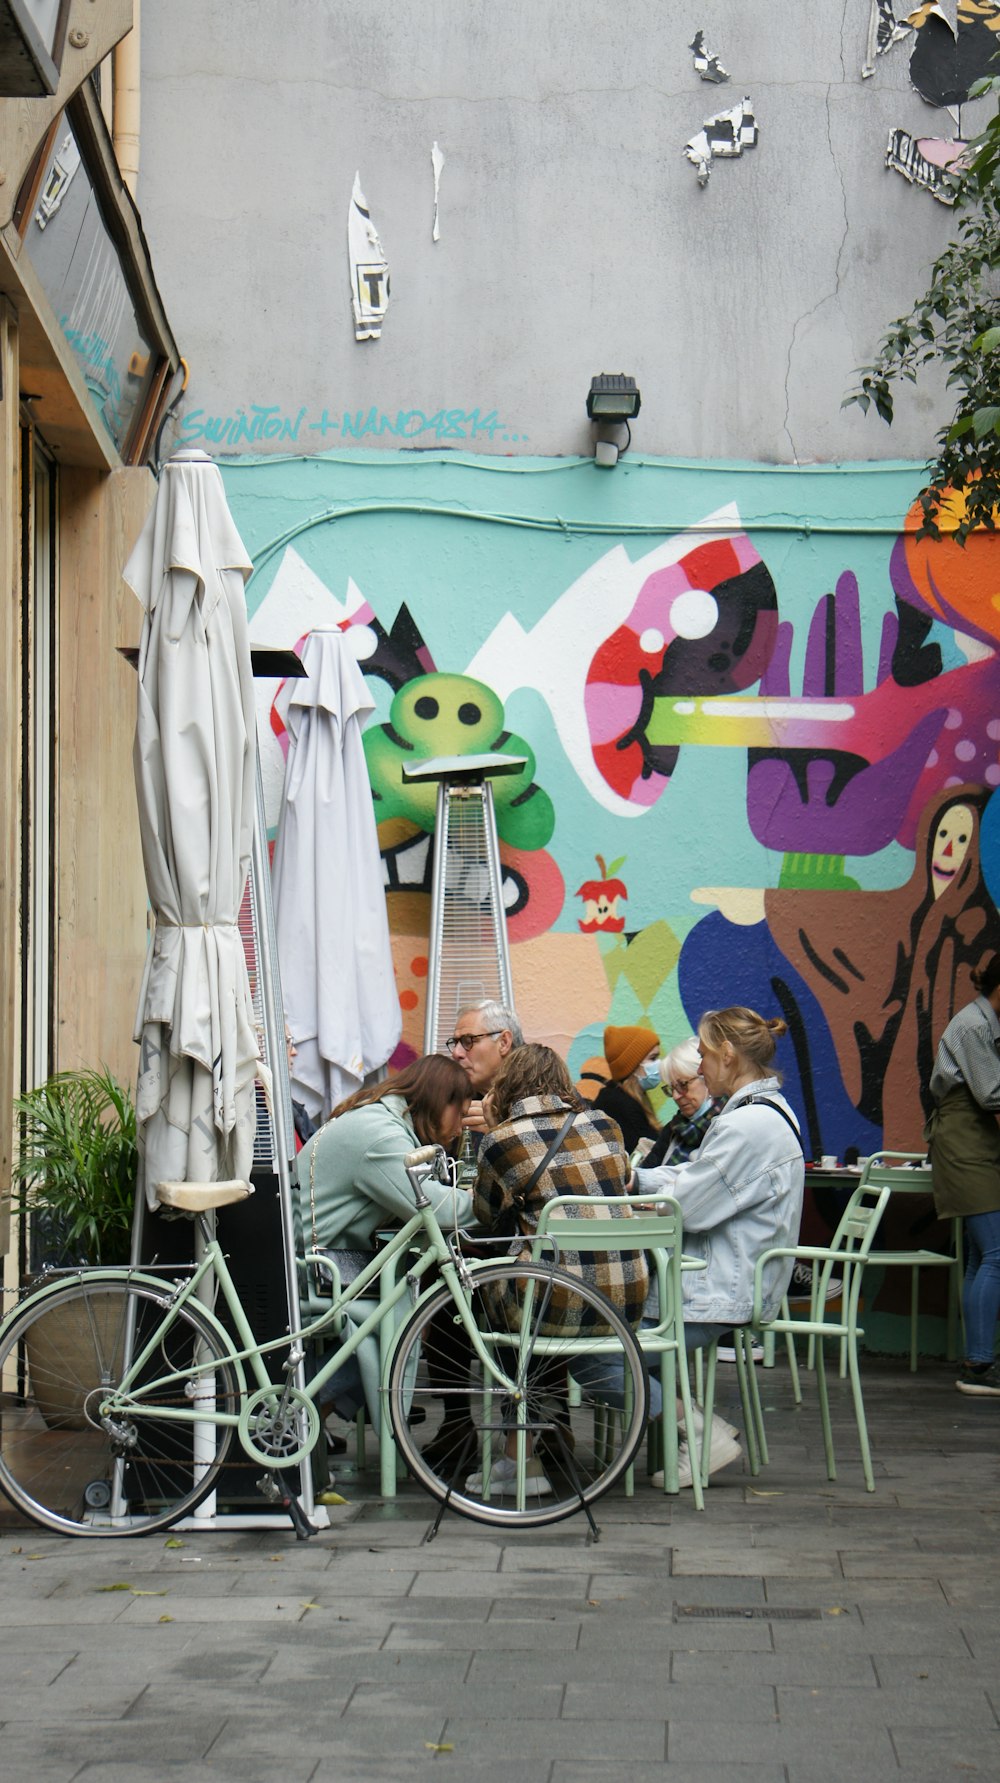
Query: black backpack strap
(540,1169)
(765,1102)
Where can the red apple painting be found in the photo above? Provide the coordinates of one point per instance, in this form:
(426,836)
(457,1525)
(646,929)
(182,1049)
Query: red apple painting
(600,900)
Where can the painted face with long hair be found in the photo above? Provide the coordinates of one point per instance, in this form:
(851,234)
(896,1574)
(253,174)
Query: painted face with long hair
(950,843)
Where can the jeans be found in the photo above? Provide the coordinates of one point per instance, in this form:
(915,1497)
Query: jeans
(603,1377)
(981,1289)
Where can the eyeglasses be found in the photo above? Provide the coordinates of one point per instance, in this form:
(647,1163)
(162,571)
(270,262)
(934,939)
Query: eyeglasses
(468,1041)
(681,1085)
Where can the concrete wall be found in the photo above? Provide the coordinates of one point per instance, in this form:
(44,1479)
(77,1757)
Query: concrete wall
(574,235)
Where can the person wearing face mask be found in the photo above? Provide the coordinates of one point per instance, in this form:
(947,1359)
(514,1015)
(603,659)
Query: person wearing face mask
(680,1138)
(633,1056)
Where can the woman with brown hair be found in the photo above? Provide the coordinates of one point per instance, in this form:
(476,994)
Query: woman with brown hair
(533,1107)
(352,1180)
(544,1141)
(351,1173)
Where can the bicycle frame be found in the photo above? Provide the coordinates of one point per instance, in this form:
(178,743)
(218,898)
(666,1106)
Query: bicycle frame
(213,1265)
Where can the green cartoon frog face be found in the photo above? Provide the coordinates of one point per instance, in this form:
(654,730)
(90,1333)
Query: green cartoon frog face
(453,715)
(447,715)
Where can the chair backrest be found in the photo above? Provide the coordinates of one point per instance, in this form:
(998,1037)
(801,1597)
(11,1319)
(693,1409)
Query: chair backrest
(659,1235)
(603,1232)
(860,1220)
(895,1170)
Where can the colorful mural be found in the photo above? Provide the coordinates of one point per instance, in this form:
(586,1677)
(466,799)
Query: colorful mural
(755,689)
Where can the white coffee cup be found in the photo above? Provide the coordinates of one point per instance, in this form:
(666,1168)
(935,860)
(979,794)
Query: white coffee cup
(862,1162)
(828,1161)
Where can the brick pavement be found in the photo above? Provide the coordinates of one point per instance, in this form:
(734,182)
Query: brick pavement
(797,1632)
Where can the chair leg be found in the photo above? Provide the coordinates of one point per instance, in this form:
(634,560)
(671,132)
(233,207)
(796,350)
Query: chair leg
(699,1376)
(824,1410)
(914,1316)
(746,1403)
(793,1368)
(682,1379)
(708,1412)
(756,1408)
(859,1414)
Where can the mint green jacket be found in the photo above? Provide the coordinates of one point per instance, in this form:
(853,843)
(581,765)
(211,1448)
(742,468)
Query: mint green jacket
(358,1184)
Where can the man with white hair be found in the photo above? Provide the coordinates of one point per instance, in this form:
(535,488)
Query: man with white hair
(484,1033)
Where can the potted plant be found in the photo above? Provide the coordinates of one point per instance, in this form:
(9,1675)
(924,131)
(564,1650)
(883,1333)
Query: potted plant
(76,1165)
(75,1175)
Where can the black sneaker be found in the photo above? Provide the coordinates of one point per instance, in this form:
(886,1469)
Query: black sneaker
(983,1381)
(800,1286)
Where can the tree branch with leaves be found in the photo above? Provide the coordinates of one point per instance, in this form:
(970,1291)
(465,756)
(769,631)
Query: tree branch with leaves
(955,323)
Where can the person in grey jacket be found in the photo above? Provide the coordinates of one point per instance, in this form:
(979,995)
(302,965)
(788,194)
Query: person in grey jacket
(740,1194)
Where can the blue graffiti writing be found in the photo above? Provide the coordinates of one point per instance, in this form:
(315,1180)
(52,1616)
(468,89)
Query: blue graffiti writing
(95,353)
(258,422)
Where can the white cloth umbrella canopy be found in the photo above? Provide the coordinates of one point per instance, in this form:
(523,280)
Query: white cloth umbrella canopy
(329,903)
(194,759)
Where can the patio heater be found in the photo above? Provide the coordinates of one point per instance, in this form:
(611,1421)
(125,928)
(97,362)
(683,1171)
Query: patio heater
(469,957)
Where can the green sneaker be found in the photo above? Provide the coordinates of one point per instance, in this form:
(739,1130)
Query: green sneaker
(983,1381)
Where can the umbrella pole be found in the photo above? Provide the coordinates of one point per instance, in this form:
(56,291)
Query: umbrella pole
(277,1054)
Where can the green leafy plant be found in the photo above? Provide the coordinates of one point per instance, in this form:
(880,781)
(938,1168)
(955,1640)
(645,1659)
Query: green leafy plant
(76,1164)
(956,323)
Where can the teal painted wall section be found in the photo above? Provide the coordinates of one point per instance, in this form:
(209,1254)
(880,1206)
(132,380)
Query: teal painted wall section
(759,721)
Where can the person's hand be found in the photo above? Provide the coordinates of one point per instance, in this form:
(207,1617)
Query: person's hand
(475,1118)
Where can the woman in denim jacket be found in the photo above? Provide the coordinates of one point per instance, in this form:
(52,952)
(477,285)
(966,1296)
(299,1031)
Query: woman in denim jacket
(740,1194)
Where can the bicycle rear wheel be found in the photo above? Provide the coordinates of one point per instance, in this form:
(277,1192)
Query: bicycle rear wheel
(534,1319)
(59,1357)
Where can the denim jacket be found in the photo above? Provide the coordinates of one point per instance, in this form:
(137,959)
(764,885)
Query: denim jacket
(739,1195)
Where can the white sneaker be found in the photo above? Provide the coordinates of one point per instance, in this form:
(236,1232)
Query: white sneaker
(726,1352)
(725,1449)
(503,1479)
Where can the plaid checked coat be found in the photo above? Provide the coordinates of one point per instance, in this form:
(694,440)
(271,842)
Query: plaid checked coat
(591,1161)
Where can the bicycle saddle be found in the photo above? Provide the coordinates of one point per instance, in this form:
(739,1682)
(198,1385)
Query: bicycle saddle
(199,1197)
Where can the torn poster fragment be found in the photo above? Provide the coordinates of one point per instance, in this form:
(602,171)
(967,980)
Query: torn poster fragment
(926,161)
(951,53)
(369,268)
(884,29)
(727,133)
(437,162)
(707,65)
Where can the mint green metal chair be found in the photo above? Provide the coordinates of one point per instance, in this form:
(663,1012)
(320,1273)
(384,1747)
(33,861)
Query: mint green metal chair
(894,1170)
(848,1252)
(660,1236)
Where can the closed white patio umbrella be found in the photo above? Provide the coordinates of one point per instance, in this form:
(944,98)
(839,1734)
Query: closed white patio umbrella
(329,902)
(194,758)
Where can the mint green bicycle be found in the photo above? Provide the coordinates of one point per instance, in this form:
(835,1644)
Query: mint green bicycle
(124,1392)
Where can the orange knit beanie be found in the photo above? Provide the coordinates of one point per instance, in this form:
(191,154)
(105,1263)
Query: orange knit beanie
(625,1048)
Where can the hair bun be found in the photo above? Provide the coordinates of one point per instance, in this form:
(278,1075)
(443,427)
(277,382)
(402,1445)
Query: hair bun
(776,1026)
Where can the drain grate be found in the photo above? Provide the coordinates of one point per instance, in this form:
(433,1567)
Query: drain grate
(714,1612)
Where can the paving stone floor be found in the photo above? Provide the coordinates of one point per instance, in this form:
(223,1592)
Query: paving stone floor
(796,1632)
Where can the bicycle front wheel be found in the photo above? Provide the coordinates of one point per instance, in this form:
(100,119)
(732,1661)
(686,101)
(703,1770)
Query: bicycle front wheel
(557,1432)
(141,1470)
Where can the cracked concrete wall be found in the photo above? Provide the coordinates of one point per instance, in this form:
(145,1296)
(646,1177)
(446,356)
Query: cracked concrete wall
(574,236)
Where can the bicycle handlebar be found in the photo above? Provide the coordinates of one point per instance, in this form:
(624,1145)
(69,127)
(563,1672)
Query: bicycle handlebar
(425,1154)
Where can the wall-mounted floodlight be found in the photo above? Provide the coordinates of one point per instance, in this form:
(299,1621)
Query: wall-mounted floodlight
(612,401)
